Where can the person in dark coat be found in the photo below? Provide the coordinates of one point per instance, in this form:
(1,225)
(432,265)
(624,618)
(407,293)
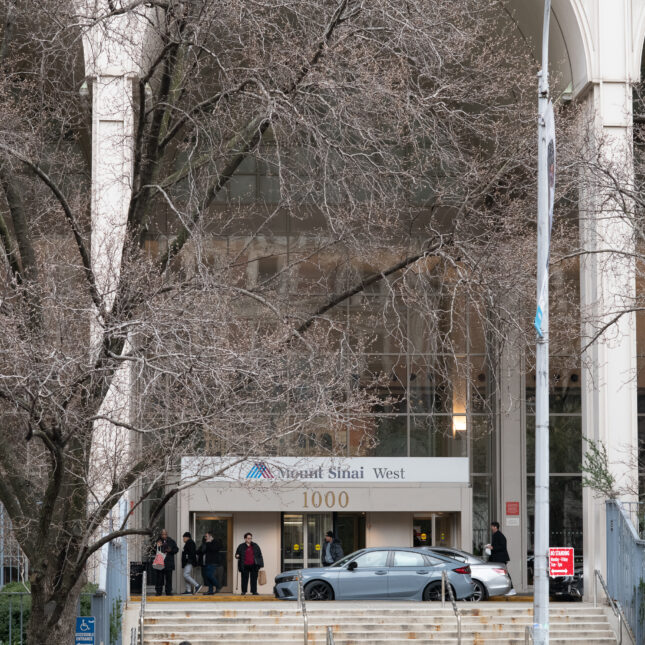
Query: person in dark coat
(332,550)
(188,562)
(209,552)
(249,562)
(498,550)
(168,546)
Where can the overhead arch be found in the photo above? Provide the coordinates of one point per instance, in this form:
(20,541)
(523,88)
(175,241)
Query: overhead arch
(569,39)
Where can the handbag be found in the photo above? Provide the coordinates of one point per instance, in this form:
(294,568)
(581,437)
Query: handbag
(262,577)
(159,562)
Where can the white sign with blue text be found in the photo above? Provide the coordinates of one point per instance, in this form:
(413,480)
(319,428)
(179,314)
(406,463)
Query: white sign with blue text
(85,630)
(330,470)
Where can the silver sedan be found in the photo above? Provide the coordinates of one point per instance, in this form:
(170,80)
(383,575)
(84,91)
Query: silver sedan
(379,573)
(489,578)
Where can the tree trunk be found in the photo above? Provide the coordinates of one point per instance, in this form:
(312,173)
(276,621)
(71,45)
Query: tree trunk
(52,619)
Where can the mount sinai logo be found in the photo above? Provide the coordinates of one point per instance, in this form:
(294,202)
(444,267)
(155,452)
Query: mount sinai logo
(259,471)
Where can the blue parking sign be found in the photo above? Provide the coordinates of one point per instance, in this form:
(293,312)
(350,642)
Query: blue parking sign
(85,630)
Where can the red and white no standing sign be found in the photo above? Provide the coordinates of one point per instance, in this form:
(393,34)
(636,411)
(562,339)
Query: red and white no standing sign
(560,561)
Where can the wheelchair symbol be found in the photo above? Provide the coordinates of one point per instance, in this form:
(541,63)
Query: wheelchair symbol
(84,627)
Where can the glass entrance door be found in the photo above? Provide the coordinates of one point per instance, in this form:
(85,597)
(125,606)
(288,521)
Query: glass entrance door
(303,535)
(221,528)
(435,529)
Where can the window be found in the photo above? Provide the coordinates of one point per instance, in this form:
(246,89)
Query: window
(372,559)
(408,559)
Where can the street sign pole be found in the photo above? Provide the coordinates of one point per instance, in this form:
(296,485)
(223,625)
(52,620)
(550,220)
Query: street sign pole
(541,535)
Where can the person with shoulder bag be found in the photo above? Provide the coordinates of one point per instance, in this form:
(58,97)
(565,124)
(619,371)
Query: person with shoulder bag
(249,562)
(164,562)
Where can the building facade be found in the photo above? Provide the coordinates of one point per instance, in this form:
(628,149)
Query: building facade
(407,488)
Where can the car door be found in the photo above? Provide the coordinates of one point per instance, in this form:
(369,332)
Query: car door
(409,573)
(366,579)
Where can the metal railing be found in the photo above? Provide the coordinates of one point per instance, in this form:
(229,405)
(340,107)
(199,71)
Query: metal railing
(303,608)
(615,607)
(142,608)
(636,513)
(330,636)
(15,612)
(455,609)
(528,635)
(134,637)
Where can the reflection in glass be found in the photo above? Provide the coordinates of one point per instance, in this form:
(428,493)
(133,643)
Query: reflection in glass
(565,444)
(434,436)
(293,552)
(482,512)
(565,515)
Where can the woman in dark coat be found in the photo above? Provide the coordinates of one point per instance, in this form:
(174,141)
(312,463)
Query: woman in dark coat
(249,562)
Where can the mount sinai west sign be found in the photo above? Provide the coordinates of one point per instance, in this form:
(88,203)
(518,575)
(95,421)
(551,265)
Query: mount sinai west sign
(347,470)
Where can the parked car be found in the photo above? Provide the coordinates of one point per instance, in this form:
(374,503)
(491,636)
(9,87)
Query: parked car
(489,578)
(379,573)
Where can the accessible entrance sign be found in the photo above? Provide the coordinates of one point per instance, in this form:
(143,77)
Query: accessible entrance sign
(560,561)
(85,630)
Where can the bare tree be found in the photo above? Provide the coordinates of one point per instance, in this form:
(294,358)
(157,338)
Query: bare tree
(311,181)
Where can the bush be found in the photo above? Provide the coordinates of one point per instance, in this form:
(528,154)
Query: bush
(15,600)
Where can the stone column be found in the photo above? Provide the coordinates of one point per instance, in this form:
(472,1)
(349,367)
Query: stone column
(607,274)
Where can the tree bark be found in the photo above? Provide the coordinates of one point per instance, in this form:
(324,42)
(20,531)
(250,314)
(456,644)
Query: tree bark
(52,621)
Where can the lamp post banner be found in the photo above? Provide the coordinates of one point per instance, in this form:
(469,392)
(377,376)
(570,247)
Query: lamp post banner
(549,136)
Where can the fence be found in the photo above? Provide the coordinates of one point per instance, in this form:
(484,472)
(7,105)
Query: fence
(626,564)
(15,609)
(14,566)
(105,605)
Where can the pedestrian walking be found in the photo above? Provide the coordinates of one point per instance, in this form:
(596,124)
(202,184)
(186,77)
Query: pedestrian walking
(499,551)
(332,550)
(209,553)
(249,562)
(166,547)
(188,562)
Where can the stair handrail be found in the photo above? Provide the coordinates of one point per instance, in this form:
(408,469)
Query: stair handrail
(528,635)
(303,608)
(455,609)
(330,636)
(142,608)
(615,607)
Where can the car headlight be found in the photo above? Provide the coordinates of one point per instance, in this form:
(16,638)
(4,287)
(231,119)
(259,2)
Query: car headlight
(286,579)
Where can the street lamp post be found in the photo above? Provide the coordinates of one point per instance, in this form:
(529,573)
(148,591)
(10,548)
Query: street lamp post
(546,170)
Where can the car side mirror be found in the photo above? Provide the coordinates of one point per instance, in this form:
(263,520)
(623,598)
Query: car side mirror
(352,565)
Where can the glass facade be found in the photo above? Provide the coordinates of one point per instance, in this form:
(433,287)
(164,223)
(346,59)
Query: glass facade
(565,457)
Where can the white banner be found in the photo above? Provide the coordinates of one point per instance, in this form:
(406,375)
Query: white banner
(549,133)
(330,470)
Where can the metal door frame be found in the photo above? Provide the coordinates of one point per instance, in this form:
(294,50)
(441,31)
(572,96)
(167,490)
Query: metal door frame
(209,515)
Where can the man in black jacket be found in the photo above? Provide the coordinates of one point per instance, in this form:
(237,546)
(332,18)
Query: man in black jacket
(249,562)
(498,550)
(210,553)
(168,546)
(188,561)
(332,550)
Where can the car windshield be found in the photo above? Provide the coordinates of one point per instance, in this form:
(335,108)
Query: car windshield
(343,561)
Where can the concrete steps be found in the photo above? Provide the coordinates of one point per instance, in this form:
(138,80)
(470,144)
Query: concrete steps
(373,623)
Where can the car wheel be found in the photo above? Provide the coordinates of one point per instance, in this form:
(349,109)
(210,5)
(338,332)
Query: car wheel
(433,592)
(318,590)
(480,592)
